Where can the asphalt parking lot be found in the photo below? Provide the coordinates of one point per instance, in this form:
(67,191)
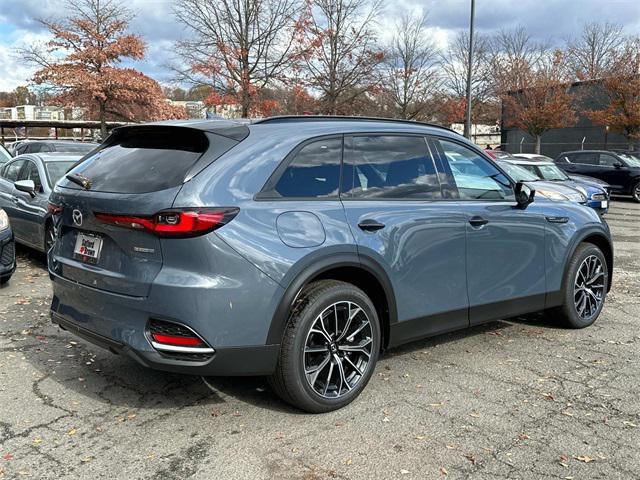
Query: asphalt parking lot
(511,399)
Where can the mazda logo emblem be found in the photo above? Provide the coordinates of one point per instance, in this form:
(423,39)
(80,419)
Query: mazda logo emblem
(76,215)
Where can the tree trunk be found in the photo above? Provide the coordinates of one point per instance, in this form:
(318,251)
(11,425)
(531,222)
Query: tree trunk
(103,121)
(538,143)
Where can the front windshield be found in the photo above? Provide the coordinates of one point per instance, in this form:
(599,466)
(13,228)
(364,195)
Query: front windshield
(631,160)
(518,173)
(551,172)
(55,170)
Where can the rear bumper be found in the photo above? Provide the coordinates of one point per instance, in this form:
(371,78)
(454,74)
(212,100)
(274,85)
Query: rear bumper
(231,311)
(234,361)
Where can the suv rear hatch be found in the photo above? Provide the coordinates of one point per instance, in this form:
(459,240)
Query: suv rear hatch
(106,208)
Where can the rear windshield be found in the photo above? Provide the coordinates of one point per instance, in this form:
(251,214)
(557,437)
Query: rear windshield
(141,160)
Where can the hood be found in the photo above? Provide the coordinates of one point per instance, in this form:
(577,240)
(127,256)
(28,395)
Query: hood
(583,179)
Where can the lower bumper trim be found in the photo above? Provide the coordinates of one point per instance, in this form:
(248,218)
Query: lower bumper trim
(256,360)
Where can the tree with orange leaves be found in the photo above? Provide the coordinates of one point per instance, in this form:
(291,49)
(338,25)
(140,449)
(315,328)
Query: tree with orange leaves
(80,65)
(621,87)
(542,101)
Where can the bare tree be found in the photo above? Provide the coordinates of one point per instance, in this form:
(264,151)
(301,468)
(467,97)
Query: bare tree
(409,67)
(238,46)
(454,62)
(344,56)
(592,55)
(513,54)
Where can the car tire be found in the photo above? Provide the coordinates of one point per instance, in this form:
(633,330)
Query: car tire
(4,280)
(635,192)
(329,348)
(585,287)
(49,237)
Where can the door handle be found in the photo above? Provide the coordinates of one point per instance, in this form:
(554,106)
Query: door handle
(15,200)
(478,221)
(369,225)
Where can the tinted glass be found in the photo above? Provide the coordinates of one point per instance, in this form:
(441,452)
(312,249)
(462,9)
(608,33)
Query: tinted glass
(72,147)
(56,170)
(388,166)
(143,160)
(5,156)
(476,178)
(586,158)
(30,172)
(314,172)
(608,160)
(11,170)
(519,173)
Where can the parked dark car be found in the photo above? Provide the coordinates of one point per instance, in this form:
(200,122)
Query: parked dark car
(7,249)
(596,194)
(48,146)
(300,247)
(619,170)
(25,184)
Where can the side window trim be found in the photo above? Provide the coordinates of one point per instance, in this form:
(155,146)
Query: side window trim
(348,162)
(268,192)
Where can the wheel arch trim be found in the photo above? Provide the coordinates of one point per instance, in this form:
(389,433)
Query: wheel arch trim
(315,265)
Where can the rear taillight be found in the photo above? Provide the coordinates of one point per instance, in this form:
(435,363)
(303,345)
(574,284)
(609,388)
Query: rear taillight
(54,209)
(178,223)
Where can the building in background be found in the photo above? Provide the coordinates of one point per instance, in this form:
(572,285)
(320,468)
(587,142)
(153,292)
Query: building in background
(584,134)
(481,135)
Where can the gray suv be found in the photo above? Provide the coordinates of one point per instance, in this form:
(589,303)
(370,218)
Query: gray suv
(301,247)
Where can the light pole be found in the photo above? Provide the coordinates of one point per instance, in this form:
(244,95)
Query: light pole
(467,122)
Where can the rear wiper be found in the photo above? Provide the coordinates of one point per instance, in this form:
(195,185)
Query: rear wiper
(79,179)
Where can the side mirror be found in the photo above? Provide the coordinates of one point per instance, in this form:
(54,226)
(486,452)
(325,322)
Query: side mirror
(618,165)
(524,195)
(27,186)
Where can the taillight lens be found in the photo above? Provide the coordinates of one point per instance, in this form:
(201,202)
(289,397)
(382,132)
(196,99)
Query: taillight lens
(54,209)
(179,223)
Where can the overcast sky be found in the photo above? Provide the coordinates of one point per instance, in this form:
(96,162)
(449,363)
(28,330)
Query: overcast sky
(551,20)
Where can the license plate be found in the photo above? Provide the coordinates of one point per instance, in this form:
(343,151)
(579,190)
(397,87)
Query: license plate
(604,203)
(88,248)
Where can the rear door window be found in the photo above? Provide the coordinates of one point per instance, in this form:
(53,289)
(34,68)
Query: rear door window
(585,158)
(142,160)
(390,166)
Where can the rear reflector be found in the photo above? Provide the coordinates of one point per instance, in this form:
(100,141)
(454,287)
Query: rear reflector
(179,223)
(175,340)
(54,209)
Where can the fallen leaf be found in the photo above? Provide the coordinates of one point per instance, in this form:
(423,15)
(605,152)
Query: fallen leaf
(73,431)
(404,472)
(7,456)
(444,471)
(37,440)
(584,458)
(348,461)
(471,458)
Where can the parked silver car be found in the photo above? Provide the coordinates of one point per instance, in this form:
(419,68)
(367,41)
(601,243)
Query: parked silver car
(25,184)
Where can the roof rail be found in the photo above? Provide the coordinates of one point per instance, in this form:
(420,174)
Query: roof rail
(320,118)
